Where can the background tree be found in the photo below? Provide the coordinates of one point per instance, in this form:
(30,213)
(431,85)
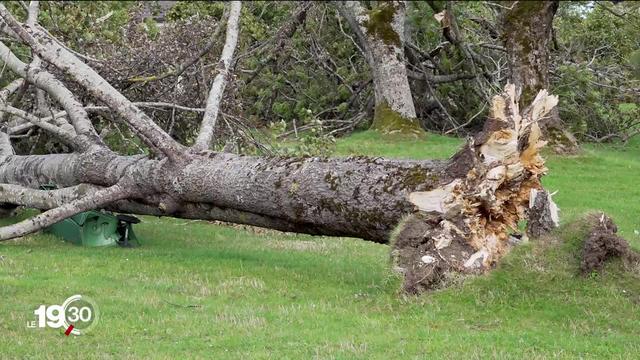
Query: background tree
(593,69)
(298,73)
(381,32)
(527,28)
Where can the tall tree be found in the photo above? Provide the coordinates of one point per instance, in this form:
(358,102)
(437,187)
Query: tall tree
(527,29)
(381,33)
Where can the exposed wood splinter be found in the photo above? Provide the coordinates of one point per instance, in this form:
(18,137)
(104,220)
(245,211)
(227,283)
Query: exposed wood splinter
(468,220)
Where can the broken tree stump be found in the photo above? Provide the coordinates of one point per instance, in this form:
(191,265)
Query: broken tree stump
(543,213)
(464,225)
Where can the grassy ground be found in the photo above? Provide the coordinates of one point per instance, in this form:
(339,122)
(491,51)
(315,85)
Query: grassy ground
(196,290)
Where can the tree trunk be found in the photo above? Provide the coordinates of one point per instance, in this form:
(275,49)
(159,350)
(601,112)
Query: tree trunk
(356,196)
(527,28)
(380,32)
(543,214)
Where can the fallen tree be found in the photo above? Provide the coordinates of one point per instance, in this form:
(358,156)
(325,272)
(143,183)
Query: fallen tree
(458,213)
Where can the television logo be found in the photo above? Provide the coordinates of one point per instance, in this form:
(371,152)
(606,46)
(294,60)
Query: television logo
(77,315)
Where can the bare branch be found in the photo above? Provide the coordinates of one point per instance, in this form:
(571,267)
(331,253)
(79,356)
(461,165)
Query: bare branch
(5,146)
(64,135)
(490,46)
(5,29)
(451,32)
(484,106)
(84,75)
(55,88)
(82,56)
(56,118)
(10,89)
(208,124)
(36,63)
(147,104)
(43,199)
(351,10)
(94,108)
(32,12)
(438,79)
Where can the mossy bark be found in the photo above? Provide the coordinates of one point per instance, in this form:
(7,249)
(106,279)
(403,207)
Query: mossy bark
(379,23)
(381,32)
(388,121)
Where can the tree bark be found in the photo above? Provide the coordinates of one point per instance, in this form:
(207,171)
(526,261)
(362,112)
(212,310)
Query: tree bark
(357,196)
(380,32)
(527,28)
(543,214)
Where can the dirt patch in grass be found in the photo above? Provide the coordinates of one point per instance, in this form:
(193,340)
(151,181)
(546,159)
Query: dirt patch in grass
(603,243)
(415,254)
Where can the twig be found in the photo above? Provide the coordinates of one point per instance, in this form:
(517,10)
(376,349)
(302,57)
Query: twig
(182,306)
(185,65)
(468,122)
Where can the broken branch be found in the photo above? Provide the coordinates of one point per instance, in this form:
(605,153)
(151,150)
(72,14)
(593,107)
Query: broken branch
(208,124)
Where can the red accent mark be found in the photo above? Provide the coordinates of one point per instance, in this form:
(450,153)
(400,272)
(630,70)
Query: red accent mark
(69,329)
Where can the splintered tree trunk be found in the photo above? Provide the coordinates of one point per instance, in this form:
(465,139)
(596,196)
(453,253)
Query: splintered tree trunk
(381,33)
(460,210)
(527,28)
(465,225)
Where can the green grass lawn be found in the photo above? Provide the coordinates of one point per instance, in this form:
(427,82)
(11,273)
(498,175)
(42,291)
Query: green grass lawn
(197,290)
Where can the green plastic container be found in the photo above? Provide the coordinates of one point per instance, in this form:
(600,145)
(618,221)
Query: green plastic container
(89,228)
(95,228)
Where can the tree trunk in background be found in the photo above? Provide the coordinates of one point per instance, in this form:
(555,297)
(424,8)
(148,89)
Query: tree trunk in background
(527,34)
(380,32)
